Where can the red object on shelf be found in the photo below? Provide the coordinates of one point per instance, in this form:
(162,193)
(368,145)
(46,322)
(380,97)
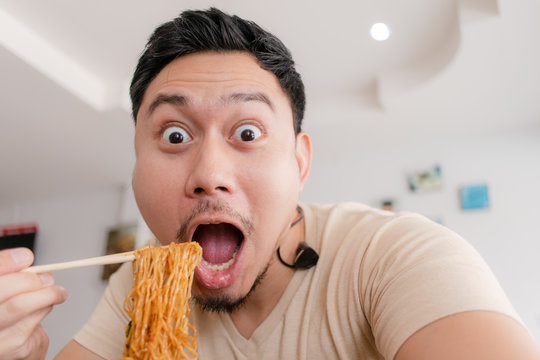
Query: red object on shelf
(18,235)
(18,229)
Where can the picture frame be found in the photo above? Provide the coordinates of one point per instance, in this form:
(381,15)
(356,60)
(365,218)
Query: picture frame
(474,197)
(119,239)
(426,180)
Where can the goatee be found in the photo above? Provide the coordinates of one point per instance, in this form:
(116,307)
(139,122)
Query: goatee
(225,304)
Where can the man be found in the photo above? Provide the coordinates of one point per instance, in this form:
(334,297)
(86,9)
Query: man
(221,159)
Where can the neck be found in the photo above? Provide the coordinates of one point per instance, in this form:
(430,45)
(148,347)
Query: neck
(263,300)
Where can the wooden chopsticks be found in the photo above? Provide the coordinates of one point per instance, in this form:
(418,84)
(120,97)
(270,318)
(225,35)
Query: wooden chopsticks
(100,260)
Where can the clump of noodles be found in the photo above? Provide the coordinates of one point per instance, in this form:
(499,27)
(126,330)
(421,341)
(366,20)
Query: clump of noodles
(158,303)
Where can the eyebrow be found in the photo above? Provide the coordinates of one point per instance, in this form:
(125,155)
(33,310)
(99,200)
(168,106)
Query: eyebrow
(234,98)
(176,100)
(242,97)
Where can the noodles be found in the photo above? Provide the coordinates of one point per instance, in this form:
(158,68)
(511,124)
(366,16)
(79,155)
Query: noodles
(158,303)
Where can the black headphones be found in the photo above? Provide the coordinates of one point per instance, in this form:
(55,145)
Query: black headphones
(305,257)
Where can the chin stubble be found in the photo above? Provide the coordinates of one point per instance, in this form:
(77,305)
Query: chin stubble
(225,304)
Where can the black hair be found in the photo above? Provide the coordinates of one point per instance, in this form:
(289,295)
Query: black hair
(212,30)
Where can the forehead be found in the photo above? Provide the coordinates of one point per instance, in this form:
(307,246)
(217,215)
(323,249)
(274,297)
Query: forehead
(207,75)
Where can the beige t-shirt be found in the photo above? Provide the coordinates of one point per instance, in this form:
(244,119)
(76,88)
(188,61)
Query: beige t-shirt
(380,278)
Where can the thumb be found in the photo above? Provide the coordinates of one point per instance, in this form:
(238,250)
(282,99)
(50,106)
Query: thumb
(16,259)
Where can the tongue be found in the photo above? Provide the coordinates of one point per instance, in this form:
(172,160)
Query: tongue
(218,241)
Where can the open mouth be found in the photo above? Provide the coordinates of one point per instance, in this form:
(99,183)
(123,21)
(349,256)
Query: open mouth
(220,243)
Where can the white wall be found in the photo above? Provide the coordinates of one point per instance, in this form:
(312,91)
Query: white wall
(69,229)
(347,167)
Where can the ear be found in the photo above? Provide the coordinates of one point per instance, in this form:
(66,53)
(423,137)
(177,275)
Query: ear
(303,156)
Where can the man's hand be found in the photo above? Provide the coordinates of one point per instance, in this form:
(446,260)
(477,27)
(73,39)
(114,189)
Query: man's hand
(25,299)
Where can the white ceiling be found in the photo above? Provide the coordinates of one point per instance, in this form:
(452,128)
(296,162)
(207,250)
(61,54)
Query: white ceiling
(450,66)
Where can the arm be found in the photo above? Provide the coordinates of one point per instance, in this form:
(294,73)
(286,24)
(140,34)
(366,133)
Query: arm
(436,298)
(25,300)
(471,335)
(74,350)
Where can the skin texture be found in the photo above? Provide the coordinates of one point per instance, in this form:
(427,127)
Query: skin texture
(214,97)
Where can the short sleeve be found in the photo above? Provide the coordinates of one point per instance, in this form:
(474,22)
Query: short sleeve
(415,272)
(104,333)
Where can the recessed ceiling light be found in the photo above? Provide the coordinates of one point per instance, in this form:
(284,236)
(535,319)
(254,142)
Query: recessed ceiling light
(380,31)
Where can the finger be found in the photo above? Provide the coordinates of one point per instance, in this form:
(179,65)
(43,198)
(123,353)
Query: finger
(25,338)
(38,343)
(18,282)
(21,306)
(16,259)
(42,340)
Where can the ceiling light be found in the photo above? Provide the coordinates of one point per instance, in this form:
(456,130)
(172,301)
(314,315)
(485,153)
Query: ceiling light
(380,31)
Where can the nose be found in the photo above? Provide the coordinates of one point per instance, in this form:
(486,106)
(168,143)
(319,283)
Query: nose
(211,172)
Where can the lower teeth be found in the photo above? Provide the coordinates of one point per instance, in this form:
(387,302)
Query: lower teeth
(222,266)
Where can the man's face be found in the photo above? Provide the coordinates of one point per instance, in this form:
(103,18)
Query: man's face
(218,162)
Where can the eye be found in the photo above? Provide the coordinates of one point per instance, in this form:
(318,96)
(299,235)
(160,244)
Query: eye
(247,132)
(175,135)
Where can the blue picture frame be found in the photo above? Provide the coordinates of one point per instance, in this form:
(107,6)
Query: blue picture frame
(474,197)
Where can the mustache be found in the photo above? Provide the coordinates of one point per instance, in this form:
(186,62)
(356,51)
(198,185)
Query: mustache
(206,206)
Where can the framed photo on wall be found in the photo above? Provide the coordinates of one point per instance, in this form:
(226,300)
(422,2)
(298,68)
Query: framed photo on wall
(474,197)
(120,239)
(425,180)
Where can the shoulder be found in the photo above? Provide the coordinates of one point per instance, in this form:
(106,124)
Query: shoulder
(368,228)
(404,270)
(341,218)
